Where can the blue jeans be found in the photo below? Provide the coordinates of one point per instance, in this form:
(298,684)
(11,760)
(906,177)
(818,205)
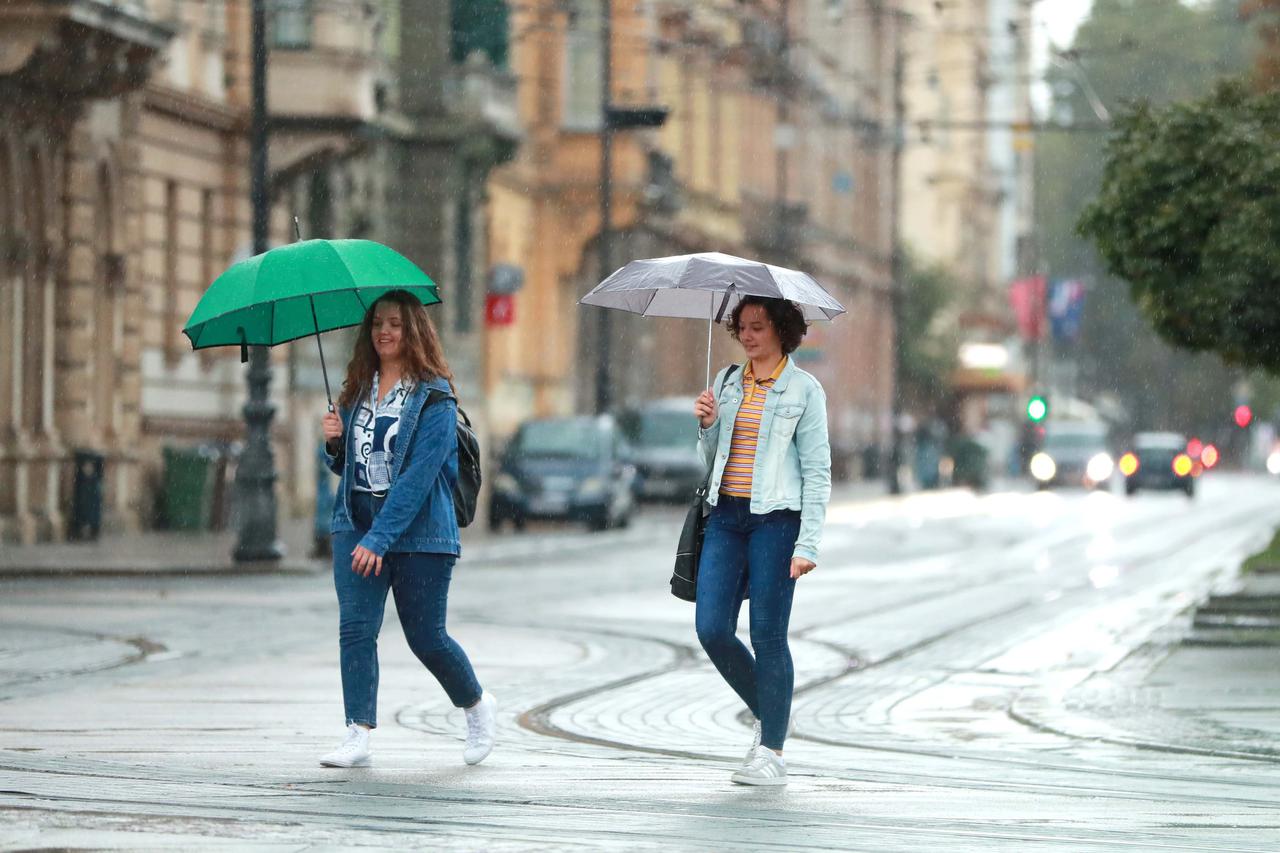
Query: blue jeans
(420,583)
(744,552)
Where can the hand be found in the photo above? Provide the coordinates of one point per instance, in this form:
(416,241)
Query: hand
(800,566)
(331,426)
(364,561)
(705,408)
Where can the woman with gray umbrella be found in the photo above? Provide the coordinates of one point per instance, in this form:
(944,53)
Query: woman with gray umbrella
(764,436)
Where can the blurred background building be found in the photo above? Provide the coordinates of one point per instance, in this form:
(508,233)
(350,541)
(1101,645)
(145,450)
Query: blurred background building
(829,135)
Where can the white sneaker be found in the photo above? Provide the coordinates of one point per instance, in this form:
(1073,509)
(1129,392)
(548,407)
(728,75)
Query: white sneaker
(354,751)
(482,729)
(766,767)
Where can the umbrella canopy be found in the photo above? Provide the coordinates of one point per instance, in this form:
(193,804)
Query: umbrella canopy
(686,286)
(301,289)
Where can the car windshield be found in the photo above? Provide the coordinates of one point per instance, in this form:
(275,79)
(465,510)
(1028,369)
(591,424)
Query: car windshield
(1074,441)
(666,429)
(567,439)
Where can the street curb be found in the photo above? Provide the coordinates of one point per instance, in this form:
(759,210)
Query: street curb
(206,570)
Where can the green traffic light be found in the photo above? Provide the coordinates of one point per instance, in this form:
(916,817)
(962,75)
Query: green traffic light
(1037,408)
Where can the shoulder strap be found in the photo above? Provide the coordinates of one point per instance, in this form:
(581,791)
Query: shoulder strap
(435,395)
(727,374)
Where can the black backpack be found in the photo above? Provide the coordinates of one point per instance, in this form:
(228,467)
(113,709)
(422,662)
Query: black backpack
(467,488)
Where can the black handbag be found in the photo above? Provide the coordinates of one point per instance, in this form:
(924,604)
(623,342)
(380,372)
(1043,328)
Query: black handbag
(684,578)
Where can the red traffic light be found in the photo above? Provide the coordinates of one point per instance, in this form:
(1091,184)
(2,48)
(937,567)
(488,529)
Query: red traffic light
(1244,416)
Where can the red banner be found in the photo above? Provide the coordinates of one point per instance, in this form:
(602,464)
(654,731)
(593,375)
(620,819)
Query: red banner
(1027,298)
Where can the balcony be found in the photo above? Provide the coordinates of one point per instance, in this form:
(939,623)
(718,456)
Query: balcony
(480,99)
(114,44)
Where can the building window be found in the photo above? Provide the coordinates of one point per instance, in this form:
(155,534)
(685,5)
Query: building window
(319,205)
(291,24)
(479,25)
(582,67)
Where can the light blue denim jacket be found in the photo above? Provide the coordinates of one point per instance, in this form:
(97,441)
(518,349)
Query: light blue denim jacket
(417,515)
(793,456)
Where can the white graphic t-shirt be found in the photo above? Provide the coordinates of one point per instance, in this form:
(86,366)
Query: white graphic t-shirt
(374,430)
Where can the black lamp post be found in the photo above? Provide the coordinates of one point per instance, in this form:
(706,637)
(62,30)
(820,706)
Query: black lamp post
(256,473)
(612,118)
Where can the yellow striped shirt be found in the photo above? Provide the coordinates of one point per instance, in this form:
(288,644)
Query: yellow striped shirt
(746,433)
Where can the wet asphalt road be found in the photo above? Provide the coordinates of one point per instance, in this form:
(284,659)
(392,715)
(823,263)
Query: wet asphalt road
(972,674)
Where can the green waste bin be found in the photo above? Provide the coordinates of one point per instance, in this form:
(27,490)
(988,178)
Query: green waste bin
(188,488)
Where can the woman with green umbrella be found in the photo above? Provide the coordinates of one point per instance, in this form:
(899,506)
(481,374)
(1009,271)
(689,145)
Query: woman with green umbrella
(394,527)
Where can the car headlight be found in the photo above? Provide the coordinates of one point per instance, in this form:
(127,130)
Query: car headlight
(592,487)
(1043,467)
(1273,462)
(507,484)
(1099,467)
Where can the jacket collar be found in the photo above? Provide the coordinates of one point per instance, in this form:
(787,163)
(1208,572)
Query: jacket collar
(779,385)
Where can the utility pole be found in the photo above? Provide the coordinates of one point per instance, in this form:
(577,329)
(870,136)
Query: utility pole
(896,283)
(255,473)
(784,136)
(603,390)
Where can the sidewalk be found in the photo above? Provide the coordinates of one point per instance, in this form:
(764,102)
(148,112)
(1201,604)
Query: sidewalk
(162,553)
(1190,689)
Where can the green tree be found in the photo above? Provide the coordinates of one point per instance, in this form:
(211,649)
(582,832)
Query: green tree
(928,342)
(1160,52)
(1187,215)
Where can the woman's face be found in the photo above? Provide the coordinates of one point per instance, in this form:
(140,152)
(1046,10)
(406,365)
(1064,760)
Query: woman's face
(387,331)
(756,334)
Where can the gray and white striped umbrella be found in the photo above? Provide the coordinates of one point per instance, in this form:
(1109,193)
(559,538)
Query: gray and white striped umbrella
(686,286)
(706,286)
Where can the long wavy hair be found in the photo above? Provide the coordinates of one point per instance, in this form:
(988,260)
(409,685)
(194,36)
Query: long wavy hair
(423,357)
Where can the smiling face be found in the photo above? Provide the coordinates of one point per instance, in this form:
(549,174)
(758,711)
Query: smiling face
(387,331)
(759,339)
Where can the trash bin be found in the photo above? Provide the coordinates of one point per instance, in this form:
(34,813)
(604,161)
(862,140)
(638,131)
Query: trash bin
(86,495)
(188,488)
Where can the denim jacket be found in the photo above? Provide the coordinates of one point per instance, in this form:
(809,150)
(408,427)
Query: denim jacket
(793,457)
(417,515)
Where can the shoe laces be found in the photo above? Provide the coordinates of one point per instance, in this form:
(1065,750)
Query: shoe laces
(762,757)
(475,725)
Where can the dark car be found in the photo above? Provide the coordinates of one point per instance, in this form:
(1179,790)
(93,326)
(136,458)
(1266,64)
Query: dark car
(574,468)
(1159,460)
(663,436)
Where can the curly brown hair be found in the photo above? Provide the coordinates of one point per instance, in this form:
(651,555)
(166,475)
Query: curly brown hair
(787,320)
(423,356)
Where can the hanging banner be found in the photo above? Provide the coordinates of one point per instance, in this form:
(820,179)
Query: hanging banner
(1066,309)
(1027,298)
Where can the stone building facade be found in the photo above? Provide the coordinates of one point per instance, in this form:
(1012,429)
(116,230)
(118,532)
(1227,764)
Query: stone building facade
(124,193)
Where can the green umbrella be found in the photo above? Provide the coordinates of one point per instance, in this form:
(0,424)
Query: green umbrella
(301,289)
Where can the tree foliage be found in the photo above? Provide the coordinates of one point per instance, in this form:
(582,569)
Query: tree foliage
(927,346)
(1187,215)
(1161,52)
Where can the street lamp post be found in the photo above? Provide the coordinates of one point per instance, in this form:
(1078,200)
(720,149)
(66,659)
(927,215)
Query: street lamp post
(255,473)
(612,118)
(603,391)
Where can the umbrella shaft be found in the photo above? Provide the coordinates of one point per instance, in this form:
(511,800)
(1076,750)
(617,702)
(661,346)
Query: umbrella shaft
(323,369)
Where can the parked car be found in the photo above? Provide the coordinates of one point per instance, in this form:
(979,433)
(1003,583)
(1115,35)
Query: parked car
(663,436)
(1159,460)
(574,468)
(1074,453)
